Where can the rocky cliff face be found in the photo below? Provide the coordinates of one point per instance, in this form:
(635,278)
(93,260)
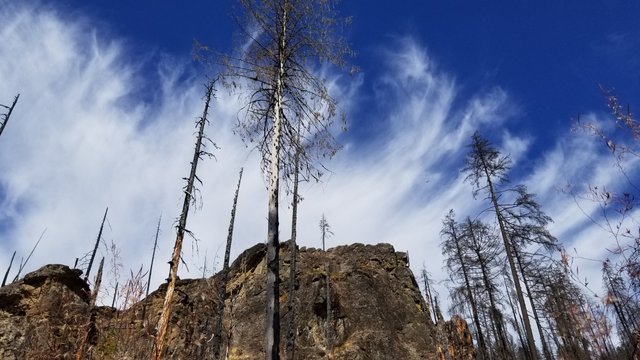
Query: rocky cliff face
(42,314)
(377,311)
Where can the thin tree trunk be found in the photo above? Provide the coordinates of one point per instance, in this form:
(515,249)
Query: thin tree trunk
(80,354)
(8,114)
(115,294)
(474,308)
(272,333)
(218,331)
(95,248)
(427,290)
(516,317)
(24,264)
(545,347)
(153,256)
(619,311)
(512,266)
(163,323)
(293,251)
(227,251)
(4,280)
(328,327)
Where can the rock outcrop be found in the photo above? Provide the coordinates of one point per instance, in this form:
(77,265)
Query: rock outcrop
(42,314)
(377,311)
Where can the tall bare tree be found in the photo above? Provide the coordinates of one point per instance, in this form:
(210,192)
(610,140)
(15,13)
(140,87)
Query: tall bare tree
(484,257)
(95,247)
(456,264)
(218,331)
(325,230)
(286,40)
(486,169)
(293,252)
(4,118)
(181,229)
(153,257)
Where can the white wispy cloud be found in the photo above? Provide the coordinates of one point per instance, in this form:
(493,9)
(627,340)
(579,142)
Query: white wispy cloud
(83,137)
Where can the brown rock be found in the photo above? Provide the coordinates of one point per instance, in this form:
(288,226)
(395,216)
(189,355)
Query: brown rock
(377,311)
(41,315)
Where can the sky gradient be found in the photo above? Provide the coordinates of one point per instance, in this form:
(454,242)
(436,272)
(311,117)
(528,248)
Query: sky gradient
(109,95)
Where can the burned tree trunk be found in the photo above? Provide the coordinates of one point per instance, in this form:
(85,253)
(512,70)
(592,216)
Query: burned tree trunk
(163,323)
(95,248)
(153,256)
(91,326)
(218,331)
(5,117)
(4,280)
(293,252)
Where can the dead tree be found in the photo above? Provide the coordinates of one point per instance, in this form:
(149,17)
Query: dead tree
(457,264)
(4,280)
(95,248)
(485,166)
(218,336)
(24,264)
(91,325)
(189,189)
(153,256)
(293,253)
(284,39)
(326,232)
(5,117)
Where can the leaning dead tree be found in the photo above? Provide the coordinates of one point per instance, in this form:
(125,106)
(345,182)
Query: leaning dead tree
(95,248)
(23,264)
(286,39)
(6,274)
(218,336)
(189,189)
(153,257)
(4,118)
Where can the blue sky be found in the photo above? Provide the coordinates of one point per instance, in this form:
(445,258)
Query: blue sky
(109,93)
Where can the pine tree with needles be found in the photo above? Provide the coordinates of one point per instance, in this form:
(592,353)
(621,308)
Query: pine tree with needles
(287,103)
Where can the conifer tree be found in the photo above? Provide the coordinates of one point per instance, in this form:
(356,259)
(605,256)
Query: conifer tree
(285,39)
(487,170)
(484,257)
(181,229)
(452,248)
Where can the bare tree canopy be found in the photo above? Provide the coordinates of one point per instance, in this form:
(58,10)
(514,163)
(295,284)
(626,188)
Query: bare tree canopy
(288,112)
(286,43)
